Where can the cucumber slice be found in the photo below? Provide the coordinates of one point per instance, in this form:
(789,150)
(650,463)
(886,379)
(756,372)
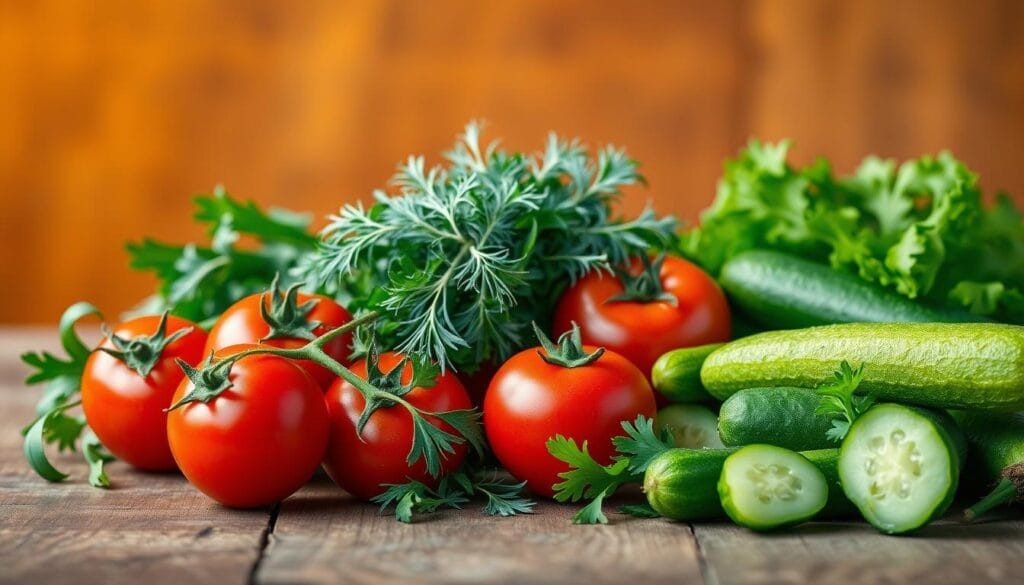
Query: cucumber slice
(764,487)
(900,466)
(691,426)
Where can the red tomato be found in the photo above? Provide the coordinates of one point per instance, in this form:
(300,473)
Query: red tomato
(125,410)
(530,401)
(258,441)
(361,466)
(642,331)
(243,323)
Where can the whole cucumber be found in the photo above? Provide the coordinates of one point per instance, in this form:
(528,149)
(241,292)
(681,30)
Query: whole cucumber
(995,443)
(676,374)
(784,417)
(781,291)
(944,365)
(682,484)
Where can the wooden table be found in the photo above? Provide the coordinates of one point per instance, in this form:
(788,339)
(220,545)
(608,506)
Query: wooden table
(152,529)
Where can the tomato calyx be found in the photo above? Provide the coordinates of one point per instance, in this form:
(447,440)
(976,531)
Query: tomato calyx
(143,353)
(287,318)
(208,381)
(569,352)
(389,385)
(645,287)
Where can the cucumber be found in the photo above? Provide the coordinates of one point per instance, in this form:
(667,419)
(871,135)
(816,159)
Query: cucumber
(781,291)
(691,426)
(827,462)
(682,484)
(676,374)
(945,365)
(996,456)
(763,487)
(900,466)
(783,417)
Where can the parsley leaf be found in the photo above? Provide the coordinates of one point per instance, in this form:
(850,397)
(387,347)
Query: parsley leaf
(641,444)
(838,400)
(199,282)
(455,490)
(643,510)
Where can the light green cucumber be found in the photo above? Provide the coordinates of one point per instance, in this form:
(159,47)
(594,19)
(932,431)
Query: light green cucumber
(944,365)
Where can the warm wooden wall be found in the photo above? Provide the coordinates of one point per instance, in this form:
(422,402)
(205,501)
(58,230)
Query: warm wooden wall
(113,113)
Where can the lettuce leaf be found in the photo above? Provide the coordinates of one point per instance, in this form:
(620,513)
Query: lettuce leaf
(920,228)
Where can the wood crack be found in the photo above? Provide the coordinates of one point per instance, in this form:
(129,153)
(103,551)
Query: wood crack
(706,572)
(264,542)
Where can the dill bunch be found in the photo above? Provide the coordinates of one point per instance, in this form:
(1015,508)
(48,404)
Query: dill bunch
(460,258)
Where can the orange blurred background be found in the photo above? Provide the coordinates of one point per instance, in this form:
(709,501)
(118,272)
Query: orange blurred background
(114,113)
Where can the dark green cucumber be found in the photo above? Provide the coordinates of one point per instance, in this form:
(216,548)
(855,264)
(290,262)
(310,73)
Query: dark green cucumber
(996,456)
(682,484)
(783,417)
(781,291)
(944,365)
(676,374)
(900,465)
(827,462)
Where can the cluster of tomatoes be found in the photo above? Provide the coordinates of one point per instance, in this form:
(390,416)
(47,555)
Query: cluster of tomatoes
(276,420)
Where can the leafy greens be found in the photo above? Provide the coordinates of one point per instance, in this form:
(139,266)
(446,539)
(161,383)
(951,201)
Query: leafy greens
(921,228)
(463,257)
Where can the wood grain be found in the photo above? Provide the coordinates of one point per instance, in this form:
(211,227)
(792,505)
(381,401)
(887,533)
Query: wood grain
(156,529)
(322,536)
(115,113)
(148,528)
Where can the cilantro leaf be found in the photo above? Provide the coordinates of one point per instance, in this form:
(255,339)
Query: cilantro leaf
(96,456)
(455,490)
(641,443)
(838,401)
(586,478)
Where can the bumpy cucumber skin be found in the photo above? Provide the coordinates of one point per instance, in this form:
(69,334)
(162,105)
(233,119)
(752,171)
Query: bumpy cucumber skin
(827,462)
(731,510)
(682,484)
(781,291)
(943,365)
(783,417)
(951,434)
(676,374)
(995,442)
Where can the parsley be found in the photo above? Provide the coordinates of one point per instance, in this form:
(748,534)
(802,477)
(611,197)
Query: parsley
(589,480)
(456,489)
(920,228)
(462,258)
(839,402)
(198,282)
(62,378)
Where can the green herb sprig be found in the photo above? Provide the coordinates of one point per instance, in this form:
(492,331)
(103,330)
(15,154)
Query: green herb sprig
(464,257)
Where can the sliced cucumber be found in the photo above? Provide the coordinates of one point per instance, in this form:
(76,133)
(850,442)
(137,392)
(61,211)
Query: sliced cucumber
(764,487)
(692,426)
(900,466)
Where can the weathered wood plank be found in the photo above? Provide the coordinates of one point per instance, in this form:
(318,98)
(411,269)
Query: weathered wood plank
(150,528)
(323,536)
(852,553)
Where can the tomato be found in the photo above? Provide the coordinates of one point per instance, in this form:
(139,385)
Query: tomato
(530,401)
(242,322)
(642,331)
(257,442)
(125,409)
(361,466)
